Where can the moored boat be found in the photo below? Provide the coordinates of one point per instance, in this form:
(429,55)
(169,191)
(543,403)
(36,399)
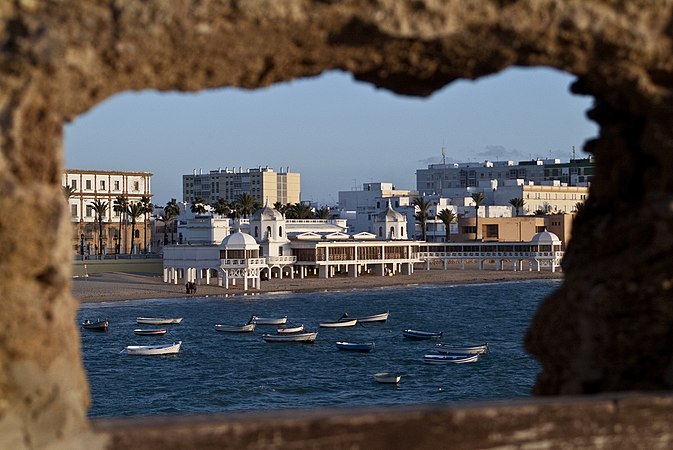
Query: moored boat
(435,358)
(158,320)
(387,378)
(294,337)
(268,320)
(355,346)
(339,323)
(422,335)
(98,325)
(168,349)
(157,332)
(247,328)
(381,317)
(291,330)
(463,349)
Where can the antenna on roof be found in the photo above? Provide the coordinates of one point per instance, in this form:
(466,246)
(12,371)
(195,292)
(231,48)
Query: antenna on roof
(443,154)
(573,152)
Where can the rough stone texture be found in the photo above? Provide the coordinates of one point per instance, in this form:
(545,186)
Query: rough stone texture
(609,328)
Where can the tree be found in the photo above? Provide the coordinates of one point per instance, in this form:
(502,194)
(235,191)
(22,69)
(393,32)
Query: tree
(148,208)
(68,191)
(322,213)
(579,206)
(171,212)
(135,210)
(300,211)
(247,204)
(198,206)
(281,208)
(422,215)
(222,207)
(447,217)
(478,199)
(121,206)
(100,208)
(517,203)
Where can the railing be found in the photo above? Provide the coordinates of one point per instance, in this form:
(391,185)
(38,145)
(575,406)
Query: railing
(281,259)
(244,262)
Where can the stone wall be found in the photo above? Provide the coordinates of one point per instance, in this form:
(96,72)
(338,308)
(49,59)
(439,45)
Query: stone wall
(609,328)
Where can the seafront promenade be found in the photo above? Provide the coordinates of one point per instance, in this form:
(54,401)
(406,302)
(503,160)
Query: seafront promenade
(115,286)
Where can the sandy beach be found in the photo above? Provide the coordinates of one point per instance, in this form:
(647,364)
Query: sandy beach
(113,286)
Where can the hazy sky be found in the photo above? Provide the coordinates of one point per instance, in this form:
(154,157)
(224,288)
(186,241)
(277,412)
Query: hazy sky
(336,132)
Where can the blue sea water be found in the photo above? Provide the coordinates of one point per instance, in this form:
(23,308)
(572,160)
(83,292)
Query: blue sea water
(223,372)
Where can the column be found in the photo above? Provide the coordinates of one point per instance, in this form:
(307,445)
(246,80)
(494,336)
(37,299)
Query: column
(353,270)
(323,272)
(165,275)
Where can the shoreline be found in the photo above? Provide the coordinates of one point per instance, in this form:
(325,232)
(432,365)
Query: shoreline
(122,286)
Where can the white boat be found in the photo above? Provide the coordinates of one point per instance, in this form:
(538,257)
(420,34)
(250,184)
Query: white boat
(247,328)
(387,378)
(167,349)
(157,332)
(444,359)
(381,317)
(422,335)
(291,330)
(158,320)
(339,323)
(462,349)
(294,337)
(268,320)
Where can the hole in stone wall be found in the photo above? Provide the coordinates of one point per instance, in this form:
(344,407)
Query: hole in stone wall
(338,135)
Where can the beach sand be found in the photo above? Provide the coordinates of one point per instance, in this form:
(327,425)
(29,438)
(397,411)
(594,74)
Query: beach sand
(113,286)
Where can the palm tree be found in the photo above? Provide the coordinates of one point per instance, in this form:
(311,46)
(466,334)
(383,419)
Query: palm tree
(447,217)
(69,191)
(422,214)
(148,208)
(247,204)
(120,206)
(171,212)
(198,206)
(135,210)
(300,211)
(517,203)
(100,208)
(579,206)
(222,207)
(478,199)
(281,208)
(322,213)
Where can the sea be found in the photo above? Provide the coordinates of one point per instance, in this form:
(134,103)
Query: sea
(217,372)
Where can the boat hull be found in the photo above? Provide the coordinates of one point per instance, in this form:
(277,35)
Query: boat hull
(154,350)
(247,328)
(159,332)
(340,324)
(387,378)
(382,317)
(101,325)
(363,347)
(422,335)
(465,350)
(446,359)
(297,337)
(158,320)
(268,321)
(291,330)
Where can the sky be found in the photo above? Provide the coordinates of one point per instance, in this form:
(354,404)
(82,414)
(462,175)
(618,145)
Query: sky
(338,133)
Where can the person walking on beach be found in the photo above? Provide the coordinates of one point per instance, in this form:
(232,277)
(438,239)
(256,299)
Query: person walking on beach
(188,287)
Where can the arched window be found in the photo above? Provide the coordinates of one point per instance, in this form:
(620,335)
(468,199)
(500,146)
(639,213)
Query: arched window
(380,231)
(256,231)
(392,232)
(137,234)
(268,232)
(280,231)
(401,231)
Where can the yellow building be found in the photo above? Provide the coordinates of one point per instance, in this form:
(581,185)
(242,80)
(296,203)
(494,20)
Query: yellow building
(514,229)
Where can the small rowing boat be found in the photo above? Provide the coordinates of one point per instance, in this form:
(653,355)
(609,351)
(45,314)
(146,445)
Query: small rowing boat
(291,330)
(157,332)
(294,337)
(339,323)
(268,320)
(463,349)
(98,325)
(387,378)
(355,346)
(158,320)
(247,328)
(381,317)
(151,350)
(445,358)
(422,335)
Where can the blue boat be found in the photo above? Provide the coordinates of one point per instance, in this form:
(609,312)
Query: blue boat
(422,335)
(355,346)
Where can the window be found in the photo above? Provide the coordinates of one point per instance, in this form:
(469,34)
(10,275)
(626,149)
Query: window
(256,231)
(116,185)
(380,231)
(280,231)
(73,210)
(392,232)
(88,184)
(540,229)
(73,184)
(469,230)
(136,186)
(102,185)
(89,211)
(137,235)
(492,231)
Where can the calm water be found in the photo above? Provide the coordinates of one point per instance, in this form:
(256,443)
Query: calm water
(218,372)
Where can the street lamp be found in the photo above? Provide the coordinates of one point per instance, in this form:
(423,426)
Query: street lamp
(81,245)
(115,238)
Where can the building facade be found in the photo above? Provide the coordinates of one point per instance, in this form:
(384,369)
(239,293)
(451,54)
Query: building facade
(88,186)
(262,183)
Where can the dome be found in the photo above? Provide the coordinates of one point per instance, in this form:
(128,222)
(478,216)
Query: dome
(390,215)
(267,213)
(545,238)
(239,241)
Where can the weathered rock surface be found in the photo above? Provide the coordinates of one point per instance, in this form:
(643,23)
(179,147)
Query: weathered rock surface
(609,328)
